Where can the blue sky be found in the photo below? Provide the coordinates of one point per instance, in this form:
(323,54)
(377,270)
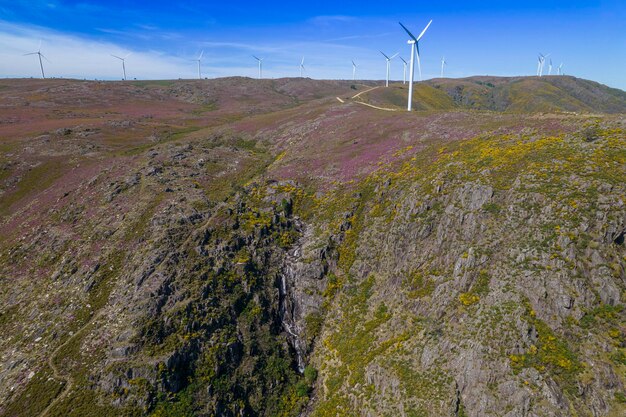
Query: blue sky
(486,38)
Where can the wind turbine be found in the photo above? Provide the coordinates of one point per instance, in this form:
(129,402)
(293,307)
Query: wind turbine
(123,62)
(39,55)
(550,67)
(388,65)
(353,71)
(443,64)
(260,66)
(199,60)
(542,61)
(404,63)
(302,67)
(414,42)
(560,69)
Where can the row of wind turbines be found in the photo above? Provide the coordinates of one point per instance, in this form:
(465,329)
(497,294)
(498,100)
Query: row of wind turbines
(415,56)
(541,62)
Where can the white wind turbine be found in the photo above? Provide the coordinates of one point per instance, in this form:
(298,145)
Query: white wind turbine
(39,55)
(302,67)
(260,66)
(353,71)
(199,60)
(404,63)
(550,67)
(123,62)
(443,64)
(388,65)
(414,42)
(561,69)
(542,61)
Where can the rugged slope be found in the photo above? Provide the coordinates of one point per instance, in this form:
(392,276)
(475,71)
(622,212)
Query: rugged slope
(235,247)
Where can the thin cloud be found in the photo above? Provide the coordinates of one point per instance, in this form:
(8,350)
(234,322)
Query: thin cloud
(329,20)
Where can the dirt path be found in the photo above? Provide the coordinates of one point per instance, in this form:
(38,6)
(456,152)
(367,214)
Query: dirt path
(364,91)
(375,107)
(359,101)
(55,371)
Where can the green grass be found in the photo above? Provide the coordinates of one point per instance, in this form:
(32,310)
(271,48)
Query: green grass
(40,391)
(34,181)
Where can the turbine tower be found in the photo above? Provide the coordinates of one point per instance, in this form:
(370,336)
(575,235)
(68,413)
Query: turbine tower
(404,64)
(539,66)
(199,60)
(414,42)
(561,69)
(39,55)
(260,66)
(302,67)
(123,63)
(388,65)
(550,67)
(443,64)
(353,71)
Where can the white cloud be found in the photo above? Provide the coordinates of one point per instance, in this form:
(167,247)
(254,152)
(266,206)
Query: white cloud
(76,57)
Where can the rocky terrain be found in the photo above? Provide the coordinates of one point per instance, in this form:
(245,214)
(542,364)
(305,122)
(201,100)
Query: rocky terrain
(292,247)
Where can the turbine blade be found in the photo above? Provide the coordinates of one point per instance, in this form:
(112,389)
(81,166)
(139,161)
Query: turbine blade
(394,55)
(115,56)
(201,54)
(255,57)
(302,62)
(407,31)
(424,31)
(128,54)
(403,60)
(384,54)
(44,57)
(32,53)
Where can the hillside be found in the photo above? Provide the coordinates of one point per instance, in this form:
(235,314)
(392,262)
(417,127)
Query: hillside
(237,247)
(514,95)
(533,94)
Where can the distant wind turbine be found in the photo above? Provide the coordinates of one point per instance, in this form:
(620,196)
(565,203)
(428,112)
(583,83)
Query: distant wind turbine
(302,67)
(550,67)
(414,42)
(561,69)
(542,61)
(199,60)
(443,64)
(39,55)
(260,66)
(123,63)
(388,65)
(353,71)
(404,64)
